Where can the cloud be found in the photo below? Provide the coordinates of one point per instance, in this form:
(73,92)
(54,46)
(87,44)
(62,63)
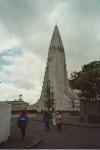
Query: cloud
(28,24)
(22,76)
(23,69)
(11,92)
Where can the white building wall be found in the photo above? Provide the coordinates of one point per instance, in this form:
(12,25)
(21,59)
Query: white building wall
(5,121)
(56,73)
(57,79)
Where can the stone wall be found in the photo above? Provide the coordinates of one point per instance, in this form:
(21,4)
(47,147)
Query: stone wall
(90,108)
(90,111)
(5,121)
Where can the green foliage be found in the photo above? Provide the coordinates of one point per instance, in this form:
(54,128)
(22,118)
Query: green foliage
(49,96)
(49,103)
(88,81)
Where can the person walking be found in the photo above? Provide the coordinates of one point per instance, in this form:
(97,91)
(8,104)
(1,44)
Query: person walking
(54,118)
(22,123)
(58,120)
(46,118)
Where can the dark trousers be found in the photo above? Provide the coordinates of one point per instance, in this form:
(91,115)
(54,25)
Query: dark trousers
(47,126)
(23,131)
(59,126)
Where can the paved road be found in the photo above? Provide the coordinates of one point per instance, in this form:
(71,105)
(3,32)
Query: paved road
(70,136)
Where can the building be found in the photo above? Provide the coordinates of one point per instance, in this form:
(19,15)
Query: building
(31,107)
(17,105)
(55,85)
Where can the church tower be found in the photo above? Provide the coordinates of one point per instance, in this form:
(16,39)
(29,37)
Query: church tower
(55,85)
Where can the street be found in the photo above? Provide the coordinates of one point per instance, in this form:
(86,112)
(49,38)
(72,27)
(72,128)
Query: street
(71,136)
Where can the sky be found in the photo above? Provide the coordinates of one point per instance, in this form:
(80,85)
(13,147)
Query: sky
(26,27)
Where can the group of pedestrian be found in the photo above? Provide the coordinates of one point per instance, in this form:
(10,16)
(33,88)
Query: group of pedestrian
(54,117)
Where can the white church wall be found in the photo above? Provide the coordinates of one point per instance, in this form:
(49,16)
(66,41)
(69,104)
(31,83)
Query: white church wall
(5,121)
(56,73)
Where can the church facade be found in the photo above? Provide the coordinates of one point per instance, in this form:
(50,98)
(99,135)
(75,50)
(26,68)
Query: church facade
(56,77)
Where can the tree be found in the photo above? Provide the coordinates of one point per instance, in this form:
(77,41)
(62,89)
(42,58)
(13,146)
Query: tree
(88,81)
(49,96)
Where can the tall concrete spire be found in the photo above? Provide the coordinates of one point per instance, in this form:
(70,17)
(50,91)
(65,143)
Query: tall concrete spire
(56,75)
(56,41)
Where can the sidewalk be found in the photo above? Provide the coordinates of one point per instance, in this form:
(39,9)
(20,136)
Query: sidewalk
(15,142)
(69,120)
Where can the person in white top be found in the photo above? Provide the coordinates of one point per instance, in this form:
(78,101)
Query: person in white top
(54,118)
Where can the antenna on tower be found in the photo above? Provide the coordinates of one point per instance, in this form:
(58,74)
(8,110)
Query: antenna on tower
(20,97)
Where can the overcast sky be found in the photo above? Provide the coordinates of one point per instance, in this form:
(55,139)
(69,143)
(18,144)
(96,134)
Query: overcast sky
(26,28)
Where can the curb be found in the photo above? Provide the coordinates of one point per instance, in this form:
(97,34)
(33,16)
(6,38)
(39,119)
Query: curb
(80,124)
(75,124)
(35,143)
